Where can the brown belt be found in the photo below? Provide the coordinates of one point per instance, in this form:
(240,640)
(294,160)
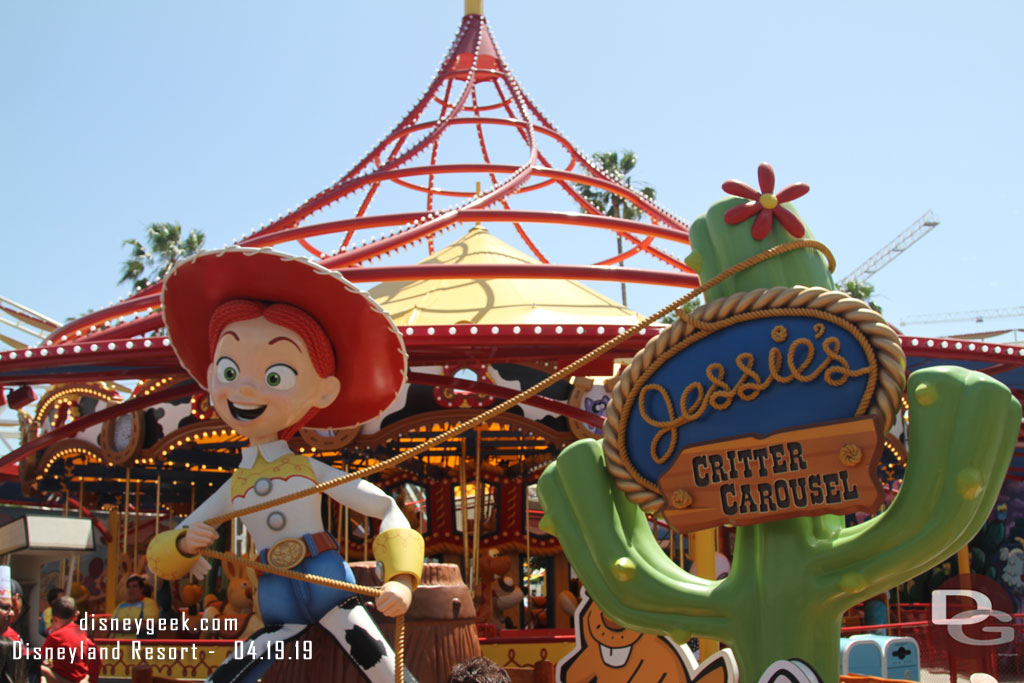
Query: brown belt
(289,552)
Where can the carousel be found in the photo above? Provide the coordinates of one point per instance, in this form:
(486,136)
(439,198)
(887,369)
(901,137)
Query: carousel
(485,191)
(126,435)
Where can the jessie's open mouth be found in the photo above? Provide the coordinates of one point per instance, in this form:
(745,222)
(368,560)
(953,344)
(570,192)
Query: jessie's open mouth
(245,412)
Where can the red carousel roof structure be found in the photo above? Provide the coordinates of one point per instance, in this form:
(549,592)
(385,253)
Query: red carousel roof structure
(473,90)
(474,150)
(474,101)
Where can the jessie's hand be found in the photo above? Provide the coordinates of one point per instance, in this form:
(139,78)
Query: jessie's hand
(200,568)
(397,596)
(198,536)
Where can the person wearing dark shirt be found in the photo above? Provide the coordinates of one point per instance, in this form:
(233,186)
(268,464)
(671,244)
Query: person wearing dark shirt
(16,604)
(12,670)
(19,622)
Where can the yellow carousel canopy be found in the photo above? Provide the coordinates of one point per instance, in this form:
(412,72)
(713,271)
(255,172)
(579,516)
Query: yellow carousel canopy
(495,301)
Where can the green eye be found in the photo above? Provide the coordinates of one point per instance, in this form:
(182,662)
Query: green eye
(280,377)
(227,370)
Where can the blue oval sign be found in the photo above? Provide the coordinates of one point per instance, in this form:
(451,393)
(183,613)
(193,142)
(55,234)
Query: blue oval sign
(754,376)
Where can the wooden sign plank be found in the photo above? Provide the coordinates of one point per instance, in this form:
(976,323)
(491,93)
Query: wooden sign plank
(829,468)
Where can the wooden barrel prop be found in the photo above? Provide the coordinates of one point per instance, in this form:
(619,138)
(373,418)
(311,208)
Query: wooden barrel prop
(439,632)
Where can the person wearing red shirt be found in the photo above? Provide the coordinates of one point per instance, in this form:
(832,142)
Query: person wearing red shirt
(74,668)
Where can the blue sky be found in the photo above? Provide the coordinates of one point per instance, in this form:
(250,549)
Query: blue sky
(222,115)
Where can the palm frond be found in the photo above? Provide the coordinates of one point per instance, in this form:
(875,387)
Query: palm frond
(163,249)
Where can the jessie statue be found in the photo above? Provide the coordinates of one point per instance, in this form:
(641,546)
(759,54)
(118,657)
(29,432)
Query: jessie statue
(280,344)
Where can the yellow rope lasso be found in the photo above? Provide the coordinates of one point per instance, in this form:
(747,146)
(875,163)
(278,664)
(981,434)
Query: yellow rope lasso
(480,419)
(536,388)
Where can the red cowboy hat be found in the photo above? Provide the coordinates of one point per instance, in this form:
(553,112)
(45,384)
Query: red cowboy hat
(368,349)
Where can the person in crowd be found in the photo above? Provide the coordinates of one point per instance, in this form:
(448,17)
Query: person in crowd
(478,670)
(137,606)
(12,669)
(19,624)
(73,668)
(46,616)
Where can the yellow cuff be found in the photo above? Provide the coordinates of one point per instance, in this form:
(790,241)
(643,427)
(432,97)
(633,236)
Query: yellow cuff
(399,551)
(165,559)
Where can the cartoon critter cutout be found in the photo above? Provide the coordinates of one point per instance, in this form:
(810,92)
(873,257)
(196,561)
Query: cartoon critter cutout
(609,653)
(790,671)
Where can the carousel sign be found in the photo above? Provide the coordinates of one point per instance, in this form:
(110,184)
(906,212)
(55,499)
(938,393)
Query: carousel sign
(766,405)
(830,468)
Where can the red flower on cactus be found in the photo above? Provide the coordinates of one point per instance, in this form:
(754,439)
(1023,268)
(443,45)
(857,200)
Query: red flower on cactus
(765,204)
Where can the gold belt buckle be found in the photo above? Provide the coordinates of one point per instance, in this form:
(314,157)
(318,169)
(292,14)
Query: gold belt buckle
(286,553)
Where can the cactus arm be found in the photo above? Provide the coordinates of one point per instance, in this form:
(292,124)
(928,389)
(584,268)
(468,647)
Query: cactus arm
(582,471)
(596,525)
(827,527)
(963,427)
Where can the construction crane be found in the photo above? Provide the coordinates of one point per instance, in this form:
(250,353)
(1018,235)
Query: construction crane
(965,316)
(921,227)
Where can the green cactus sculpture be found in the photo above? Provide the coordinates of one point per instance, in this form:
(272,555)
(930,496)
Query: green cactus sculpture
(791,580)
(716,246)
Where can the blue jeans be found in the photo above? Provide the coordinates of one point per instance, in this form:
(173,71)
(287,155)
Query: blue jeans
(287,601)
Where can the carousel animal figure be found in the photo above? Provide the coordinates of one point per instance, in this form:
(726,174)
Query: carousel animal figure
(496,591)
(191,613)
(236,616)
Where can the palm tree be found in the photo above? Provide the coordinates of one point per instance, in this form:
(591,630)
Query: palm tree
(862,291)
(164,247)
(689,307)
(611,204)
